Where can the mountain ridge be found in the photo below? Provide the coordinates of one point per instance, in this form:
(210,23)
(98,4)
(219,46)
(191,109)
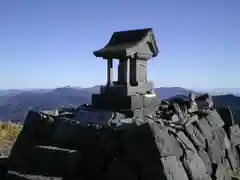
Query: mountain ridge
(95,89)
(15,104)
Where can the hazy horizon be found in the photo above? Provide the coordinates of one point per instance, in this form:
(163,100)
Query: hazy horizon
(47,44)
(209,90)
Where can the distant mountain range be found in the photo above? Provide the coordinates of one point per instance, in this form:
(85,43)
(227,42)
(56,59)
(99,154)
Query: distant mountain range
(221,91)
(14,104)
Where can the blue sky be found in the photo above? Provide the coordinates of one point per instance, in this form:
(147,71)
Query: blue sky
(49,43)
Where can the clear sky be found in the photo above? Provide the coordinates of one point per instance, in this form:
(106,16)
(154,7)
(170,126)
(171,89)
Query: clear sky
(49,43)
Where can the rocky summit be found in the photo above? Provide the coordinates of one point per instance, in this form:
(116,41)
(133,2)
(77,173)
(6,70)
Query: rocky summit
(184,141)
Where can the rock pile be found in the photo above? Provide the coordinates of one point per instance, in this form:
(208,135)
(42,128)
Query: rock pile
(187,139)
